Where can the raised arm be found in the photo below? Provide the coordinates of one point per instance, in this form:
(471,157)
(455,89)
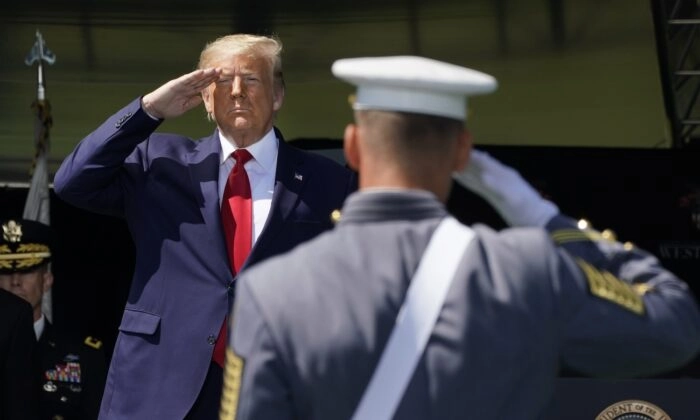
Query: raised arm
(107,162)
(620,311)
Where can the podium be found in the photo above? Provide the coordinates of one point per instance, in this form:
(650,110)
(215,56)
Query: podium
(608,399)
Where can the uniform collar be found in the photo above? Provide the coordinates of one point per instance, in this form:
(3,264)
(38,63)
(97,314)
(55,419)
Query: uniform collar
(373,205)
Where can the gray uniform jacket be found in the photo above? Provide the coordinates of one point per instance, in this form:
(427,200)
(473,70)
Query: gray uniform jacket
(309,326)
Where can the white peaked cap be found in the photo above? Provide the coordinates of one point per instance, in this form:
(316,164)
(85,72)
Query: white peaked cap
(413,84)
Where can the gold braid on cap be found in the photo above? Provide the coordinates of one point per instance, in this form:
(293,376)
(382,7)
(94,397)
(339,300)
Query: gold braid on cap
(5,263)
(26,255)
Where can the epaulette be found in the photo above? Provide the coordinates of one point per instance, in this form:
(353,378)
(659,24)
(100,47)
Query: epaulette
(575,235)
(93,342)
(584,232)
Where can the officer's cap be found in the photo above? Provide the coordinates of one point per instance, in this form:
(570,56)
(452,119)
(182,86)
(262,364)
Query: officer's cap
(24,246)
(413,84)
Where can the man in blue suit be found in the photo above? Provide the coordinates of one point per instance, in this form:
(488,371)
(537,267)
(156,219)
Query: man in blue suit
(169,189)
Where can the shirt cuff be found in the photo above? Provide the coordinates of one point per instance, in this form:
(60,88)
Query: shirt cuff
(148,113)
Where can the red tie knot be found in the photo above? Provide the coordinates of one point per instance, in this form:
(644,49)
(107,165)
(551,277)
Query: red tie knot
(242,156)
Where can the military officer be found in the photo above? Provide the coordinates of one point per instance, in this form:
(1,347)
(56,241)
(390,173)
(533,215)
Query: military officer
(402,312)
(71,371)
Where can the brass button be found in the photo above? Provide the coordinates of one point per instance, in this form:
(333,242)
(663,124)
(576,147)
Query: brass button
(609,235)
(335,216)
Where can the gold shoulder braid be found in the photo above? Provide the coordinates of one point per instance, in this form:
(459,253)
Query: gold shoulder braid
(577,235)
(606,286)
(233,372)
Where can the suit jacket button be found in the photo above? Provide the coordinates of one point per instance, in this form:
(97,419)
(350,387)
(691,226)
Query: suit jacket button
(211,340)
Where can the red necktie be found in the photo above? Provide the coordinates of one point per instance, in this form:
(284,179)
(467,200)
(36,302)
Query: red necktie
(237,220)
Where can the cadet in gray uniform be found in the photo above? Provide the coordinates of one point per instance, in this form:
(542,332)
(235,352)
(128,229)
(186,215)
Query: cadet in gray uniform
(310,327)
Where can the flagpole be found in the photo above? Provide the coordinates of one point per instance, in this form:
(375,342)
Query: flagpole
(36,207)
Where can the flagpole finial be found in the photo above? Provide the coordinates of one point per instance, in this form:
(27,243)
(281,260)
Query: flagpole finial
(38,54)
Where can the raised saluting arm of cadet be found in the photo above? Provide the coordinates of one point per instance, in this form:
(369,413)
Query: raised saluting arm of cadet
(612,294)
(510,195)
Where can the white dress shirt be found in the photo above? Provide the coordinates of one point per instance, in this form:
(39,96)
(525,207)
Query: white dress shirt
(39,325)
(261,173)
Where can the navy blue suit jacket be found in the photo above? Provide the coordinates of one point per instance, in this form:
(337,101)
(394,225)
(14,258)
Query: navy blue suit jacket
(166,187)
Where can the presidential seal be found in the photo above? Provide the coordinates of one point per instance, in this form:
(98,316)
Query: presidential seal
(632,410)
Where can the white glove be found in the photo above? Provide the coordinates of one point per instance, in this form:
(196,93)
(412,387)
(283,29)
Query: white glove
(502,186)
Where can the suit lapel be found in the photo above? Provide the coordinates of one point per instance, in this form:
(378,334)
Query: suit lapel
(290,177)
(203,165)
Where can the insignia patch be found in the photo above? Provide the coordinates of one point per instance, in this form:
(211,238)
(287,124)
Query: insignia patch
(12,231)
(50,387)
(93,342)
(606,286)
(70,357)
(632,410)
(233,371)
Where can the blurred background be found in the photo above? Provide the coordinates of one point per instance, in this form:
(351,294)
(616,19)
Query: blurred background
(597,106)
(573,73)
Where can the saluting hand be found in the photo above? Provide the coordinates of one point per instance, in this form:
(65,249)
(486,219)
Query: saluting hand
(505,189)
(179,95)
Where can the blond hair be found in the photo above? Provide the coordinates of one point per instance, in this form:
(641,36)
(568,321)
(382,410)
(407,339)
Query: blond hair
(268,48)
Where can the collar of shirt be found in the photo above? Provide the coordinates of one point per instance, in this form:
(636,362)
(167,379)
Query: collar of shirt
(264,151)
(262,165)
(371,205)
(39,326)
